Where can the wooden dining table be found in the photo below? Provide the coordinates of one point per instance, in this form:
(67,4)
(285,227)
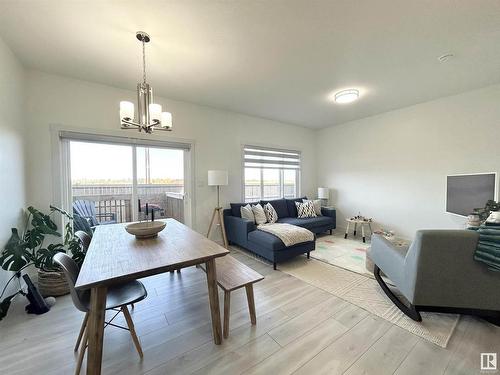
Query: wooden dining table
(115,256)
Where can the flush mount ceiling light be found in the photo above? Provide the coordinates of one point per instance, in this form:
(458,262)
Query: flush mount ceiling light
(149,115)
(346,96)
(446,57)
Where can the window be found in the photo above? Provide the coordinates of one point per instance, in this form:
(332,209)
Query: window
(120,174)
(270,173)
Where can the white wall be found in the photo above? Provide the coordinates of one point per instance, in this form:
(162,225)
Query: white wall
(392,166)
(218,135)
(12,181)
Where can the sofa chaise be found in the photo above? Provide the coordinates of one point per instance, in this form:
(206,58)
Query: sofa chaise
(244,232)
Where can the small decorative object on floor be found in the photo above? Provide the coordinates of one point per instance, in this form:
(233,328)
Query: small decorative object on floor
(37,304)
(362,221)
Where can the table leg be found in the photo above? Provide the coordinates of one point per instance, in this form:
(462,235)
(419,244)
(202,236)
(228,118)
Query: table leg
(347,230)
(96,329)
(355,227)
(363,231)
(213,295)
(370,226)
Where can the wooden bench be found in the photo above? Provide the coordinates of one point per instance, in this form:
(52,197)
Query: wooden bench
(232,275)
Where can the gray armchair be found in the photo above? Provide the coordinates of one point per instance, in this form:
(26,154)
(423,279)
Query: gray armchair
(437,273)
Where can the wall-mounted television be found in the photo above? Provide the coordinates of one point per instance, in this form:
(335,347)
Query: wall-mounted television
(464,192)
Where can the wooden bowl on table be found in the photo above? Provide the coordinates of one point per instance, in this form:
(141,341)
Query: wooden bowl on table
(146,229)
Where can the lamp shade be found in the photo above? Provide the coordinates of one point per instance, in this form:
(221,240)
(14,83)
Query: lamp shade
(166,120)
(323,193)
(126,110)
(155,112)
(217,178)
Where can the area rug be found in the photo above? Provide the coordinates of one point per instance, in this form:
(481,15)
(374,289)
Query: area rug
(349,253)
(365,292)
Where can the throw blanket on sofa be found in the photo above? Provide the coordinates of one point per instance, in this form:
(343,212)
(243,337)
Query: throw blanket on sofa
(289,234)
(488,247)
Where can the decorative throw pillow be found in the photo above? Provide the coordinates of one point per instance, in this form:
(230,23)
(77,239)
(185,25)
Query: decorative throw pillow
(271,214)
(305,209)
(247,213)
(260,215)
(317,206)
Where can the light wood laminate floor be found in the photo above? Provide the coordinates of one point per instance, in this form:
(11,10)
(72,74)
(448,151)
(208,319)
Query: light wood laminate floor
(300,329)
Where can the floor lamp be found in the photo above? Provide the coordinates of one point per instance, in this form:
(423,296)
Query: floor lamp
(218,178)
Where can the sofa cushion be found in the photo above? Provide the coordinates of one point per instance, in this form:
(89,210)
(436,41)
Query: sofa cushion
(308,223)
(292,209)
(235,208)
(271,215)
(265,240)
(259,214)
(279,205)
(305,209)
(247,213)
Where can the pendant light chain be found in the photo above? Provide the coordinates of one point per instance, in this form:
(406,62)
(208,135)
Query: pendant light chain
(143,61)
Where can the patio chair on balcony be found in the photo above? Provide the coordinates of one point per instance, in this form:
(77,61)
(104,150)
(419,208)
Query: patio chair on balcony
(86,209)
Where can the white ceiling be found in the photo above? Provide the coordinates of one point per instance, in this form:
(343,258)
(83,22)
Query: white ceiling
(275,59)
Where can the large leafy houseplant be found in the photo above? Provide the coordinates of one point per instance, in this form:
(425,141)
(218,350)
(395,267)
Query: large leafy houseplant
(28,249)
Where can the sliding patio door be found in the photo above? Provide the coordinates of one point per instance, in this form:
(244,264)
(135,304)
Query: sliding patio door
(121,178)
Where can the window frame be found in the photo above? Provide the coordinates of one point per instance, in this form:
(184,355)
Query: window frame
(298,176)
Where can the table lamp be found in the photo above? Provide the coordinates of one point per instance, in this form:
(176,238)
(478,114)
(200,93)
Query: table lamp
(323,195)
(218,178)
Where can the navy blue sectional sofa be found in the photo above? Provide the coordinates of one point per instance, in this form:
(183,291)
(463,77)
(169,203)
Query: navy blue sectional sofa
(245,234)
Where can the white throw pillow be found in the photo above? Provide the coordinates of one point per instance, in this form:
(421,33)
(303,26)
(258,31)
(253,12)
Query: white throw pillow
(271,214)
(317,205)
(260,215)
(305,209)
(247,213)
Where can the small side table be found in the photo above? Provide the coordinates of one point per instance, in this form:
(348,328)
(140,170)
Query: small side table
(362,223)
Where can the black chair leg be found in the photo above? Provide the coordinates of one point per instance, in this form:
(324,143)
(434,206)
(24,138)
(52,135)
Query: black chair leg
(331,231)
(274,266)
(308,254)
(410,311)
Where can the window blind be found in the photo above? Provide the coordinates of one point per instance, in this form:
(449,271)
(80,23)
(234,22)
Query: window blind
(260,157)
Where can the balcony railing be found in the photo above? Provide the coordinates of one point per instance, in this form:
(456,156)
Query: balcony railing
(252,191)
(167,200)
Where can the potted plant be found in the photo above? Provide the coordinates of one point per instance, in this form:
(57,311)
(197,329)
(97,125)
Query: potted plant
(26,249)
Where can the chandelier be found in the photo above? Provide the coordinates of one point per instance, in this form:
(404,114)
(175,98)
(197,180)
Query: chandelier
(149,115)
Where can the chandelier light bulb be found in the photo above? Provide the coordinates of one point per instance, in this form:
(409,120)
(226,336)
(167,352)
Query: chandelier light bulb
(155,112)
(166,120)
(126,110)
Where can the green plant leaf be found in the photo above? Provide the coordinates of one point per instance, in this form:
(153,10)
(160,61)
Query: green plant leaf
(16,253)
(43,222)
(44,257)
(77,252)
(34,237)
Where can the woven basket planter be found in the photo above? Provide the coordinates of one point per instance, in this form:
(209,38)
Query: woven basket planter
(52,283)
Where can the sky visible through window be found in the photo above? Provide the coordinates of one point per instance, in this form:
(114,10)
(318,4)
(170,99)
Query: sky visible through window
(99,163)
